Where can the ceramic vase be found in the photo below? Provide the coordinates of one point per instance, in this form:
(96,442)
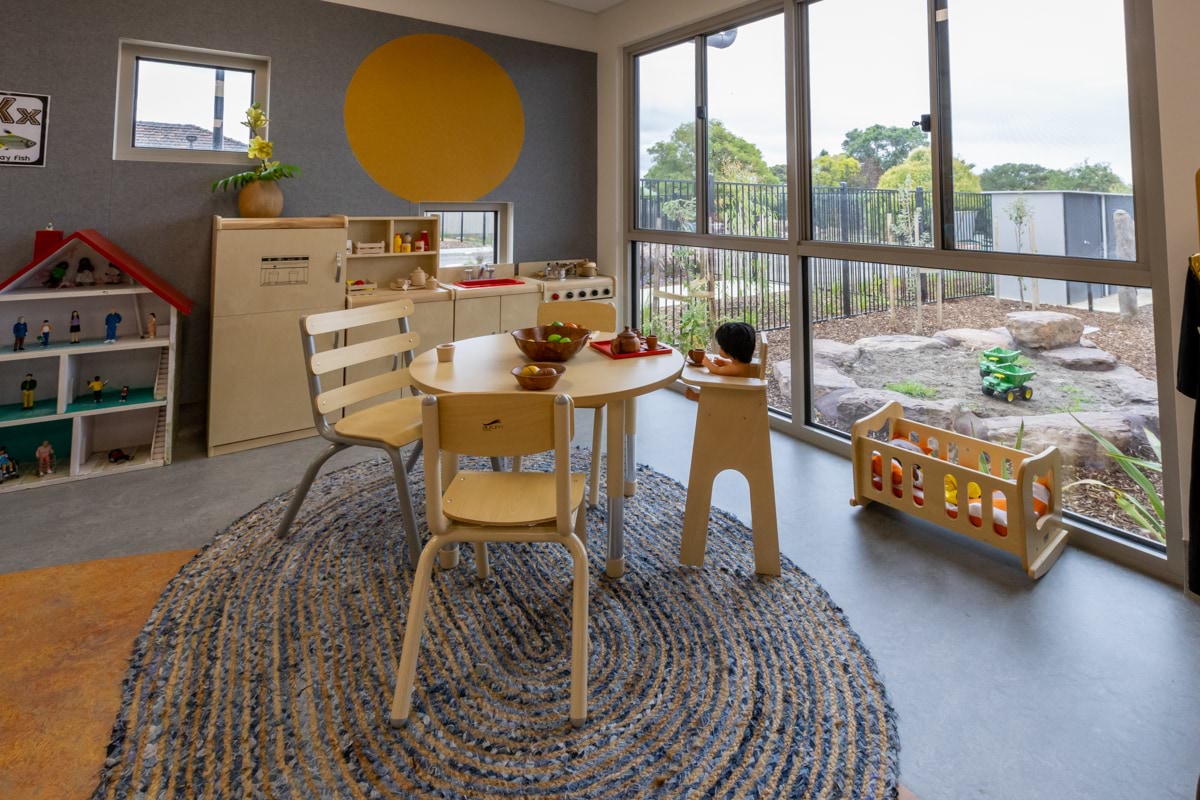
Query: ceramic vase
(260,199)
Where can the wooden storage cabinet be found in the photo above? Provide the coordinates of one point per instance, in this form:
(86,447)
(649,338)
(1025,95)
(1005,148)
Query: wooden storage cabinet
(476,316)
(518,311)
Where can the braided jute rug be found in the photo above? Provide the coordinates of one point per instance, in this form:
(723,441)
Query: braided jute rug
(267,668)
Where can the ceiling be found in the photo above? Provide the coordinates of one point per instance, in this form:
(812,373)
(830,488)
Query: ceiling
(594,6)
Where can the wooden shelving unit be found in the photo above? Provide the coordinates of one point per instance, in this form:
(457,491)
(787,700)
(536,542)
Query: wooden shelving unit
(384,268)
(81,431)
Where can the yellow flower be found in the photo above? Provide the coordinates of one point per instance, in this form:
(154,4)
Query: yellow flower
(255,118)
(259,148)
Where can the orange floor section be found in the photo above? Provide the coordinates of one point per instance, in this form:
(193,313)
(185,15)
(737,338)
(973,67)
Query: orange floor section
(66,634)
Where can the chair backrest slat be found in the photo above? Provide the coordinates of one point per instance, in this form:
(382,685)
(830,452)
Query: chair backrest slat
(496,424)
(762,356)
(359,391)
(348,356)
(594,315)
(329,321)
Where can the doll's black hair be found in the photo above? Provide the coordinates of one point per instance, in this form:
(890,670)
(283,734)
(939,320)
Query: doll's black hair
(737,339)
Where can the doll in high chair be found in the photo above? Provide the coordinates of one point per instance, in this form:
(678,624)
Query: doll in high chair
(735,345)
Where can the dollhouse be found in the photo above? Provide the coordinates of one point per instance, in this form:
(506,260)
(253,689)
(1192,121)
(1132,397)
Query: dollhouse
(88,362)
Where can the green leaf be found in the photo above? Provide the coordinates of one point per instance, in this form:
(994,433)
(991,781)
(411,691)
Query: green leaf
(1155,445)
(1135,474)
(1138,513)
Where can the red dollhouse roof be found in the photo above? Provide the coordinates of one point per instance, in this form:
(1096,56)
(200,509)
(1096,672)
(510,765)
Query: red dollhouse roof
(119,258)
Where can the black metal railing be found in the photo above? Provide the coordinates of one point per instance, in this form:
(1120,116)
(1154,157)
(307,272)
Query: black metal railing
(839,289)
(840,213)
(729,284)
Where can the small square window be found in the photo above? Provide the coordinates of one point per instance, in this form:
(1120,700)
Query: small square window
(185,105)
(473,233)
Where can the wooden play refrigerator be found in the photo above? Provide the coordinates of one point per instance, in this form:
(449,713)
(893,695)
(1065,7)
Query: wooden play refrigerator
(267,273)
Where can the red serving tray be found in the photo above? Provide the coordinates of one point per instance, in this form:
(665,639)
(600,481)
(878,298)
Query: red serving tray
(605,347)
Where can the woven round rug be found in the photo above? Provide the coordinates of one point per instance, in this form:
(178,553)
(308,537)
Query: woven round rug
(267,668)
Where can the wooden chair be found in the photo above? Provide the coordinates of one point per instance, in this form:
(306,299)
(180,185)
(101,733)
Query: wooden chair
(732,432)
(389,426)
(595,316)
(498,506)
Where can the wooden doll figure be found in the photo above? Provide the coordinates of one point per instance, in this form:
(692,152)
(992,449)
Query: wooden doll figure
(97,387)
(8,467)
(27,387)
(45,455)
(110,326)
(124,394)
(85,273)
(151,326)
(45,335)
(20,329)
(75,326)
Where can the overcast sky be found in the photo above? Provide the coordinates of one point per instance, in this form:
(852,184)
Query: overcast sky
(1038,81)
(181,93)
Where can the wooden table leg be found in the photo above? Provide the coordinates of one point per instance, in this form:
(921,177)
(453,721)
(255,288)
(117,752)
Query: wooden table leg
(614,488)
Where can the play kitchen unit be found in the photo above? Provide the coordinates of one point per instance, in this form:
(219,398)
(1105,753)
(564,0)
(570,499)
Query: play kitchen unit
(267,273)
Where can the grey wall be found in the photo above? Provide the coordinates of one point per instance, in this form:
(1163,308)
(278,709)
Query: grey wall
(161,213)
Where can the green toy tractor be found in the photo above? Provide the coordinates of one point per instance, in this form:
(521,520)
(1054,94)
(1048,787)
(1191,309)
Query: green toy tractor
(1008,381)
(994,357)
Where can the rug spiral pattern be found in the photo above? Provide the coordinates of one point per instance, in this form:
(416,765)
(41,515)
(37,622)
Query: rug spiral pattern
(267,668)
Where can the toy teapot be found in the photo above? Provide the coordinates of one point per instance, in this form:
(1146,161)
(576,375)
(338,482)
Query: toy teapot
(626,342)
(418,278)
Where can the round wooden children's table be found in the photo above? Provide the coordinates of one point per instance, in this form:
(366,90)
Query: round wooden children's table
(484,364)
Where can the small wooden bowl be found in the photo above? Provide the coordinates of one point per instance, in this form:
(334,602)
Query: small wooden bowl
(539,383)
(532,342)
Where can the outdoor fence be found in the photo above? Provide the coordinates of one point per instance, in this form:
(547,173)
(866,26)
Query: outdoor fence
(841,289)
(840,213)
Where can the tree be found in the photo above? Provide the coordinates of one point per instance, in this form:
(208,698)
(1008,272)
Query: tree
(917,170)
(780,172)
(880,147)
(1016,177)
(730,157)
(1087,177)
(832,170)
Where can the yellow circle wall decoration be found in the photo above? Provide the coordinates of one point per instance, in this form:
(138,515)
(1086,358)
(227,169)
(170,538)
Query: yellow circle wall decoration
(432,117)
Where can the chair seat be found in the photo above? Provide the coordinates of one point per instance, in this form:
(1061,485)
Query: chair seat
(394,423)
(506,498)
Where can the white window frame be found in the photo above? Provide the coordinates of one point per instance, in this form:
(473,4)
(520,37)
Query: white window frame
(504,222)
(130,50)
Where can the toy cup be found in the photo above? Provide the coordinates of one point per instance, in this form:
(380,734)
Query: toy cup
(445,352)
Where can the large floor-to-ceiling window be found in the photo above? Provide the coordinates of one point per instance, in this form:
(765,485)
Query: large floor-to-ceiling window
(889,188)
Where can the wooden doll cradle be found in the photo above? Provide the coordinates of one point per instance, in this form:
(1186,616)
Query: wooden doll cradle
(1004,490)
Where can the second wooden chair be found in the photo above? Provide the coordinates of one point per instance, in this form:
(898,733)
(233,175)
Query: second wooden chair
(596,316)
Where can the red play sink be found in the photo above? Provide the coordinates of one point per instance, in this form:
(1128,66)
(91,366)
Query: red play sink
(480,283)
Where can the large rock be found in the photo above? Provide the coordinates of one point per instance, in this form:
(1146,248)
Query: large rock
(844,406)
(836,353)
(1064,432)
(1091,359)
(783,376)
(1129,387)
(891,346)
(827,378)
(1044,330)
(974,339)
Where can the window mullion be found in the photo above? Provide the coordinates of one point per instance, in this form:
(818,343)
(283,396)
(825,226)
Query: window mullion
(701,90)
(941,134)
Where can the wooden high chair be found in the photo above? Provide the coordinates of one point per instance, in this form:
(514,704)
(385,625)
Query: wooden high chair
(595,316)
(732,432)
(486,507)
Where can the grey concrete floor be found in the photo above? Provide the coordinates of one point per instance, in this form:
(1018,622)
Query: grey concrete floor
(1085,684)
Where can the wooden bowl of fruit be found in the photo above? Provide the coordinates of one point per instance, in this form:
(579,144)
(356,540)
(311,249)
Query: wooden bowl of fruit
(555,342)
(538,376)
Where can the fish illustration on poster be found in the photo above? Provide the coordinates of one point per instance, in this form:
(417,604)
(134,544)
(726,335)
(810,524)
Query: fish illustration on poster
(23,129)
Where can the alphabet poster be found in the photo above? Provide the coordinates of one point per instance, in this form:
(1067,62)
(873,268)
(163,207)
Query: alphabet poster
(23,129)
